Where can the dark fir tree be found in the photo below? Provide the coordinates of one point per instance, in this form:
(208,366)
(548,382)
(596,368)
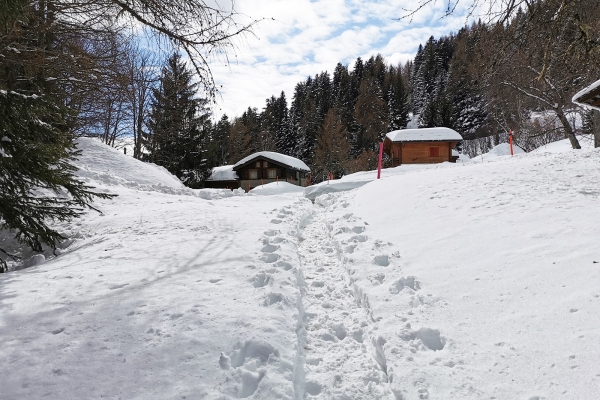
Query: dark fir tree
(259,140)
(333,148)
(179,125)
(296,115)
(37,146)
(220,137)
(397,100)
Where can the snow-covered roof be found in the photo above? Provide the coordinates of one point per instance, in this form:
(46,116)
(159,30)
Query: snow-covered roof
(277,157)
(581,97)
(224,173)
(424,135)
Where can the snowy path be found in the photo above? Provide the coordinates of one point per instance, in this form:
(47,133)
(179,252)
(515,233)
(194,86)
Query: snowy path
(339,361)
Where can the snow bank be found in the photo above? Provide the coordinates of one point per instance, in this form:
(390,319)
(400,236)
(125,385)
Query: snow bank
(361,178)
(103,165)
(563,146)
(276,188)
(215,194)
(500,150)
(280,158)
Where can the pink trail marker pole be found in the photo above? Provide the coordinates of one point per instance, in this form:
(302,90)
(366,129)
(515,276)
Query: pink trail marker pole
(511,141)
(379,163)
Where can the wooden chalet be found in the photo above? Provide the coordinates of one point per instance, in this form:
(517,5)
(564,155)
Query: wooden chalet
(421,146)
(590,96)
(267,166)
(222,178)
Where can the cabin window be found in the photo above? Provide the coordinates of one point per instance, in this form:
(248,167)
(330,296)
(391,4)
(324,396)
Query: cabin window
(272,173)
(434,152)
(265,164)
(252,174)
(257,164)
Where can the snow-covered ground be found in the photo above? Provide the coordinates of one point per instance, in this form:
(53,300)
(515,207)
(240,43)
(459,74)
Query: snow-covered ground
(478,280)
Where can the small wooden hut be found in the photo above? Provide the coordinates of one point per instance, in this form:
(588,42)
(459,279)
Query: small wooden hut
(421,146)
(267,166)
(590,96)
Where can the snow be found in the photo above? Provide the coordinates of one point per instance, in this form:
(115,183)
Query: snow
(277,188)
(358,179)
(108,166)
(585,91)
(441,281)
(500,150)
(424,134)
(224,173)
(280,158)
(563,146)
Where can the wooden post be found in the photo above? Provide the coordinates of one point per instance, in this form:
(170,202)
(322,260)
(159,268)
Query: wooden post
(511,143)
(380,157)
(248,186)
(277,178)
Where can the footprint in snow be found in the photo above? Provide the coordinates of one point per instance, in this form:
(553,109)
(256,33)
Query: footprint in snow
(275,221)
(401,283)
(269,248)
(382,260)
(283,264)
(272,298)
(269,258)
(261,280)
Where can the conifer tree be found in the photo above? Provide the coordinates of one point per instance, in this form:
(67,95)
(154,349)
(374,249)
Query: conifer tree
(220,136)
(371,114)
(296,115)
(37,144)
(238,142)
(397,102)
(179,125)
(333,148)
(259,141)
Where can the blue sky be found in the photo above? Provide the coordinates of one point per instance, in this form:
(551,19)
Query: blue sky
(307,37)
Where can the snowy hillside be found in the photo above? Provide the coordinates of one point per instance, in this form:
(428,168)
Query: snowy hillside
(455,281)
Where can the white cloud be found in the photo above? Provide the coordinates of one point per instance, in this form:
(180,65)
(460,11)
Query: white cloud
(303,38)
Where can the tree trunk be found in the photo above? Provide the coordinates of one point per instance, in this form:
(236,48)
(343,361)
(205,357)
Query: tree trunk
(569,134)
(596,118)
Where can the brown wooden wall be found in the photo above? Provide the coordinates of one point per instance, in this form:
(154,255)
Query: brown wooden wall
(418,152)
